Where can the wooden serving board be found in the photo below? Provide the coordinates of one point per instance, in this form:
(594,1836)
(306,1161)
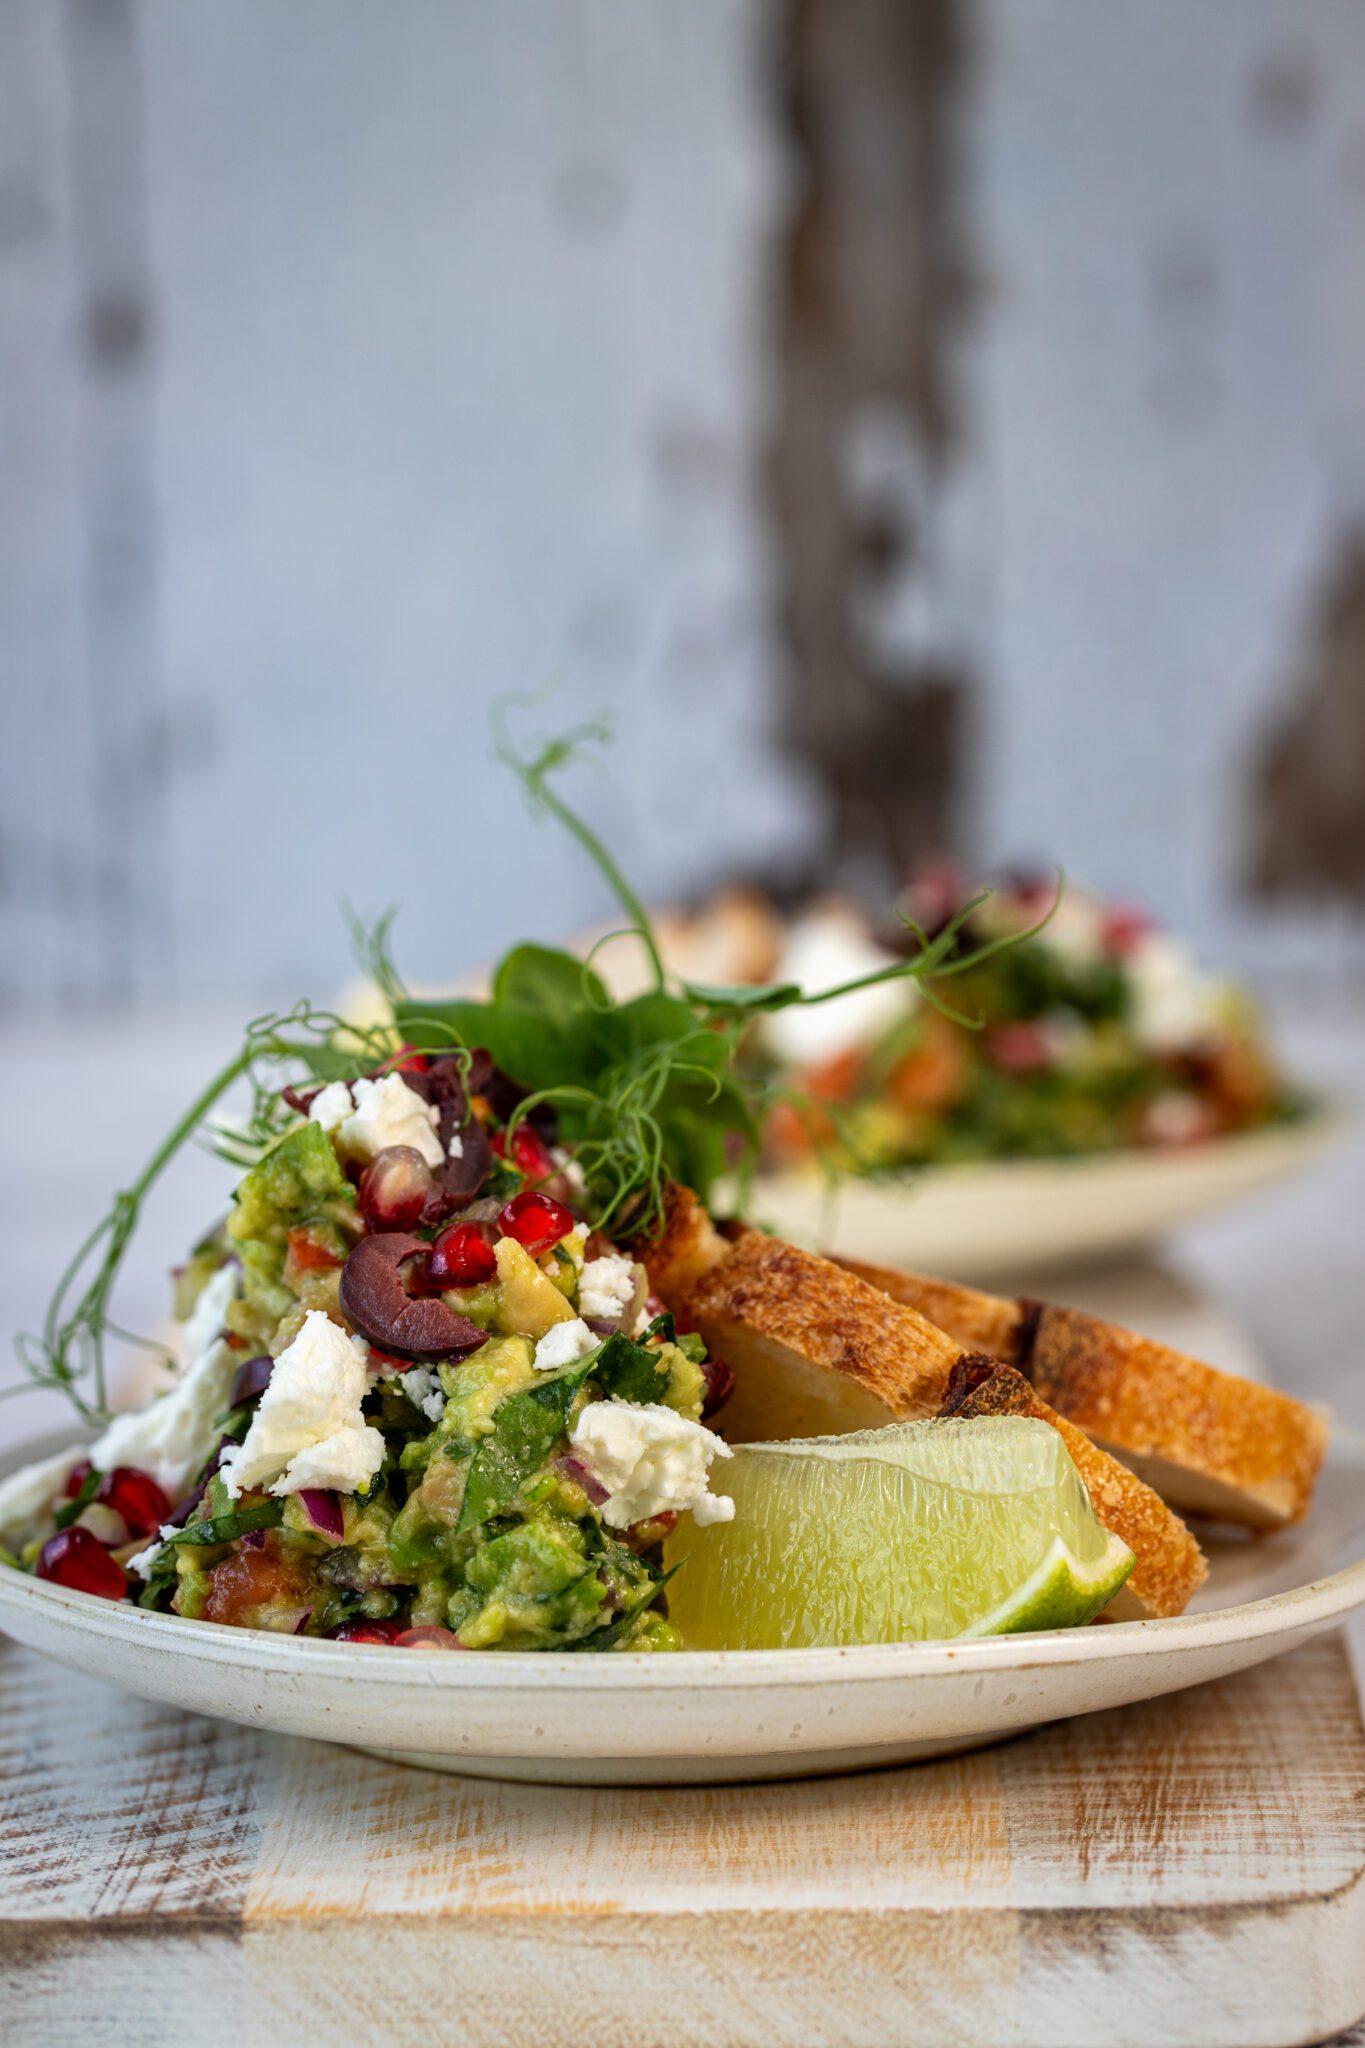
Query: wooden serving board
(1190,1871)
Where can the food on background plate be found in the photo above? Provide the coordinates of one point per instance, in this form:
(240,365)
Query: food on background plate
(430,1399)
(1100,1033)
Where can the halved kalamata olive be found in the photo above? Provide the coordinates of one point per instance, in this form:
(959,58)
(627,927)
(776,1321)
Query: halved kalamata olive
(250,1380)
(395,1188)
(374,1297)
(136,1496)
(463,1138)
(720,1384)
(300,1100)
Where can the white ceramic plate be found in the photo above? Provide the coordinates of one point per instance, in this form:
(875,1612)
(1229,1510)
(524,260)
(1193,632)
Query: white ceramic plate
(708,1716)
(975,1222)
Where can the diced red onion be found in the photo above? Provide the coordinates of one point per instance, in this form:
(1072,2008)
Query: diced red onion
(250,1380)
(430,1638)
(574,1468)
(301,1624)
(603,1326)
(323,1510)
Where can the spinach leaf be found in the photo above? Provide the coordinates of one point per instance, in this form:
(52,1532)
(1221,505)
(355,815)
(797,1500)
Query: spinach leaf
(227,1528)
(526,1427)
(605,1638)
(629,1371)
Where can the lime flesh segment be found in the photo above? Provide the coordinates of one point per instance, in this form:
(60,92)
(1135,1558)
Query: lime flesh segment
(920,1531)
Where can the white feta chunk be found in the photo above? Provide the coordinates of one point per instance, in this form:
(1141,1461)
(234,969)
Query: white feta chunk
(388,1112)
(606,1287)
(651,1460)
(308,1429)
(141,1565)
(331,1106)
(455,1149)
(1175,1006)
(564,1344)
(827,947)
(423,1388)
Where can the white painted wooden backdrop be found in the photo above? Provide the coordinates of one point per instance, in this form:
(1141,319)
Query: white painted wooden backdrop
(358,363)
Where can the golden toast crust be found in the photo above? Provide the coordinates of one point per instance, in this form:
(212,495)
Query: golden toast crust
(816,1348)
(1208,1441)
(1170,1566)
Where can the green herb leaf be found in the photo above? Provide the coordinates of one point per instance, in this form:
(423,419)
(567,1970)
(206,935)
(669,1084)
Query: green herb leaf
(741,996)
(227,1528)
(69,1509)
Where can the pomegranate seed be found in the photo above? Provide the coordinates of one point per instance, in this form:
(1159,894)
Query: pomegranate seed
(74,1558)
(536,1221)
(137,1497)
(250,1380)
(408,1061)
(463,1256)
(1020,1048)
(78,1478)
(1125,924)
(528,1152)
(394,1188)
(430,1638)
(367,1632)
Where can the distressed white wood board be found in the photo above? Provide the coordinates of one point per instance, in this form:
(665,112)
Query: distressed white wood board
(1191,1871)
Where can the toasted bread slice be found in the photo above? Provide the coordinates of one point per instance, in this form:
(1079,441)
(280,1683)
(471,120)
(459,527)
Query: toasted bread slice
(1170,1565)
(817,1351)
(1209,1442)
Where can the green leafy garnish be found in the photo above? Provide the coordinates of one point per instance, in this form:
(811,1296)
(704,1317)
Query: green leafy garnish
(69,1509)
(645,1091)
(267,1514)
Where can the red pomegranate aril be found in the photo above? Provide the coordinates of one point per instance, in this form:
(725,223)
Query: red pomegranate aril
(136,1496)
(251,1379)
(462,1256)
(394,1188)
(367,1632)
(429,1638)
(78,1478)
(527,1151)
(536,1221)
(74,1558)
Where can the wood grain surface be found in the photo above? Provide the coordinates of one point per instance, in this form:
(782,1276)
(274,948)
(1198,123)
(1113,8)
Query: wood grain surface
(1191,1871)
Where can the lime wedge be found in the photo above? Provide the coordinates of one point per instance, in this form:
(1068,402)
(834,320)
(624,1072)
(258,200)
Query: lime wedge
(906,1534)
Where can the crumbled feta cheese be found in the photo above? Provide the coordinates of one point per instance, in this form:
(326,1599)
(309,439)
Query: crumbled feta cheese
(331,1106)
(1075,929)
(1174,1005)
(145,1559)
(26,1494)
(563,1344)
(423,1388)
(606,1287)
(344,1462)
(388,1112)
(455,1149)
(651,1461)
(308,1429)
(205,1321)
(173,1435)
(829,946)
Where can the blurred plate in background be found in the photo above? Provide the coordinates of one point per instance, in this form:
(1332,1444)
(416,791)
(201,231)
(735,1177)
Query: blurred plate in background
(975,1222)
